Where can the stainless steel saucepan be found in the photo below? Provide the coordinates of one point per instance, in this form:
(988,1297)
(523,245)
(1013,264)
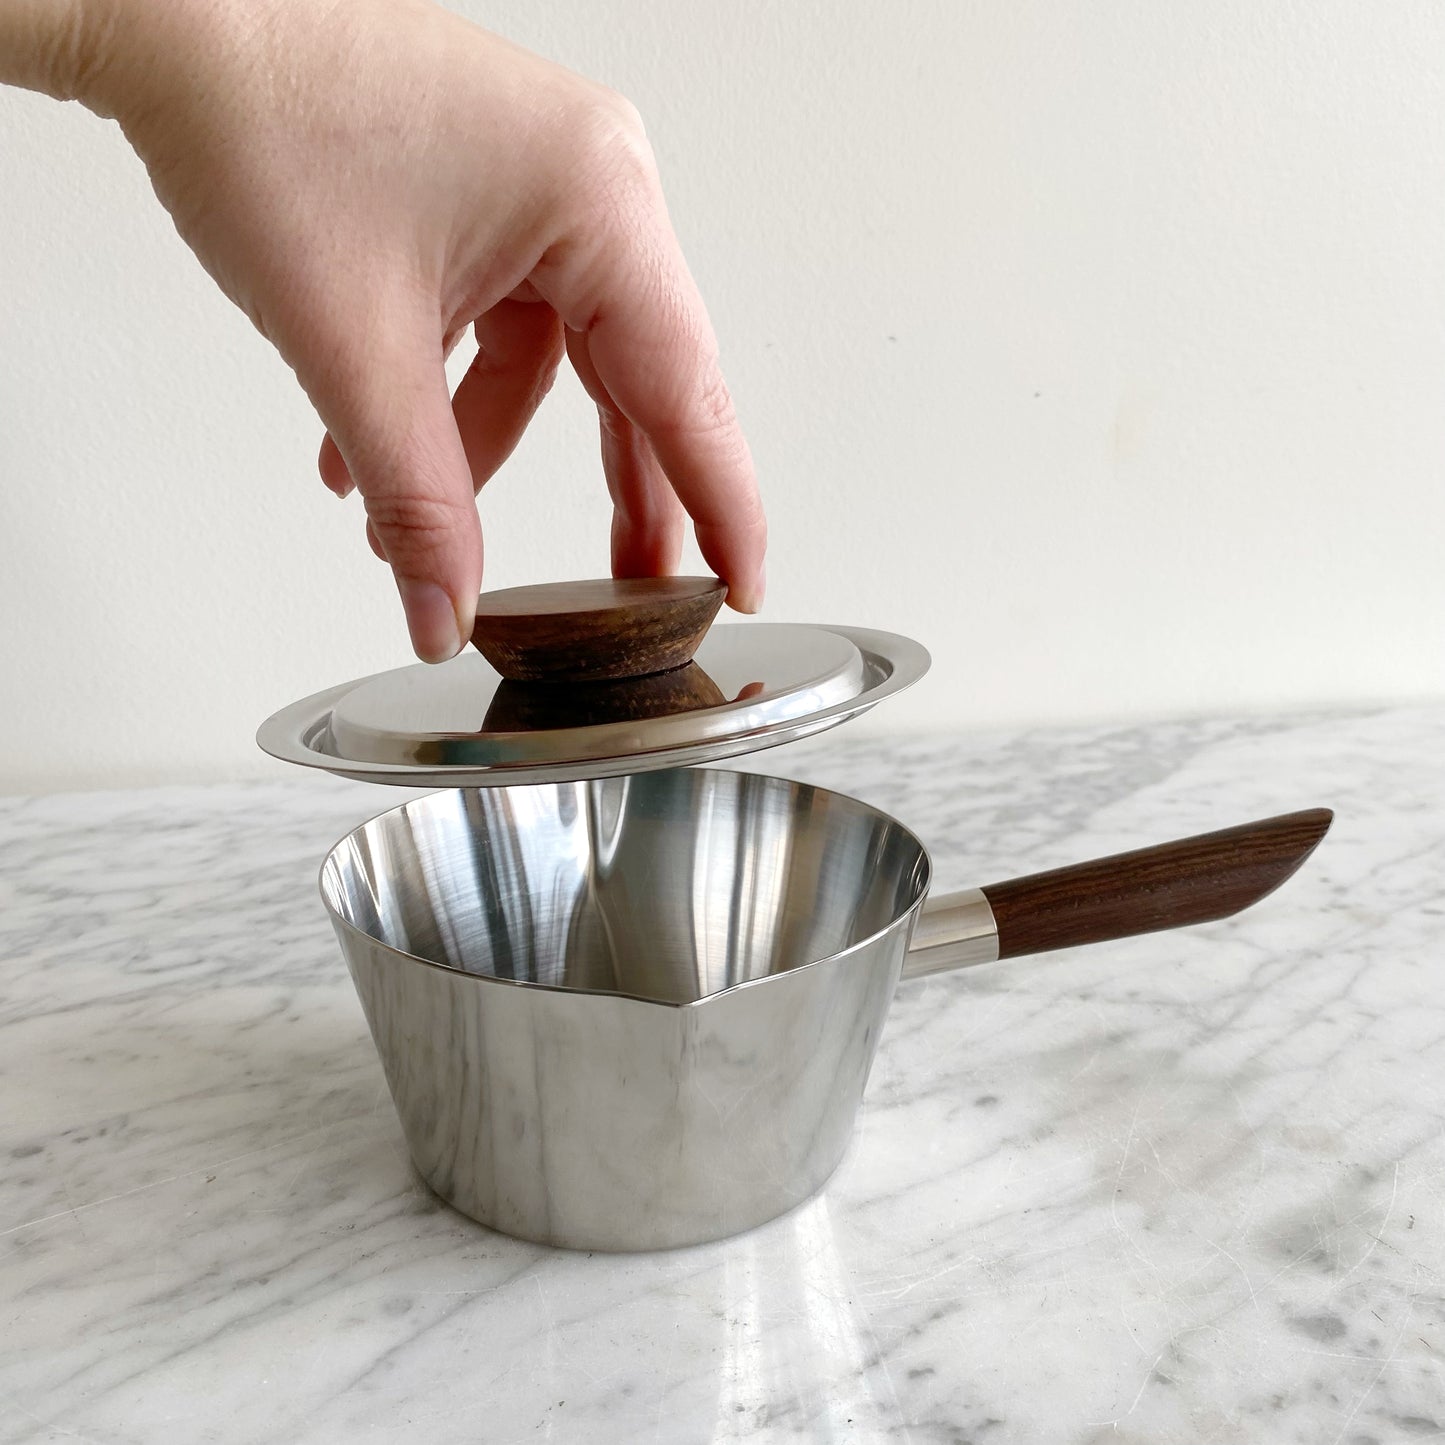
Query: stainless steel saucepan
(639,1012)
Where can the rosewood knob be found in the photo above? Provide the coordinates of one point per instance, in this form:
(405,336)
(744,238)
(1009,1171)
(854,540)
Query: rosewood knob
(595,630)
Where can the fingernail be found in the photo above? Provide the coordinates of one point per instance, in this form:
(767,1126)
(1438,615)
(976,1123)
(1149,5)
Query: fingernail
(431,619)
(750,600)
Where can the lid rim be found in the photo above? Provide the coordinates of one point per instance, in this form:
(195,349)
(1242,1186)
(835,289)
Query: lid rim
(297,733)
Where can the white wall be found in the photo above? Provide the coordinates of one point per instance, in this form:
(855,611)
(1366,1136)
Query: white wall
(1100,347)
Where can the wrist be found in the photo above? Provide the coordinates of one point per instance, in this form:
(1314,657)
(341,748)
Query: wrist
(70,49)
(113,56)
(44,45)
(121,51)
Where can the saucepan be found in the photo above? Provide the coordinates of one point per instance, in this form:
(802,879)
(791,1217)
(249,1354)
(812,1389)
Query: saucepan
(639,1012)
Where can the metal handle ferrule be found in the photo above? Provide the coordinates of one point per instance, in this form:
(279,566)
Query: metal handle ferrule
(956,930)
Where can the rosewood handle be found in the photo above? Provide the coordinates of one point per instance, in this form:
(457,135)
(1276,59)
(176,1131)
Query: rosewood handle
(1173,885)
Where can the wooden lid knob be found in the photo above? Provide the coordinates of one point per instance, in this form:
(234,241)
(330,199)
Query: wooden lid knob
(595,630)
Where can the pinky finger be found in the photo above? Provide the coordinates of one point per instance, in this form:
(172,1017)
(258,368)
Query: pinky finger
(334,475)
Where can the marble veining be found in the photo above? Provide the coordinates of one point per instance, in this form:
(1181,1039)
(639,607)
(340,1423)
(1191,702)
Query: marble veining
(1180,1189)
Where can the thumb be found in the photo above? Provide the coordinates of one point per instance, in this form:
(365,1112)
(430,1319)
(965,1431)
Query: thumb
(390,415)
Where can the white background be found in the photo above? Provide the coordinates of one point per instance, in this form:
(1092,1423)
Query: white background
(1099,346)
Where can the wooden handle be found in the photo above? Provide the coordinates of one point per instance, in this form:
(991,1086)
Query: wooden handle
(595,631)
(1195,880)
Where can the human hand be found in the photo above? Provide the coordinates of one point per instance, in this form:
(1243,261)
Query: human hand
(365,181)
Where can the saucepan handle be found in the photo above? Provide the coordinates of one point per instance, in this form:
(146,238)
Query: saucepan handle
(1172,885)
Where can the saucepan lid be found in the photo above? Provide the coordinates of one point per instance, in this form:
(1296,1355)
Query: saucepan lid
(461,725)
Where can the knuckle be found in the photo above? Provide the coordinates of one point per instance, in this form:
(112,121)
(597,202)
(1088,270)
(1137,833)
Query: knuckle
(619,113)
(715,404)
(70,53)
(613,164)
(615,426)
(416,521)
(545,382)
(743,515)
(704,409)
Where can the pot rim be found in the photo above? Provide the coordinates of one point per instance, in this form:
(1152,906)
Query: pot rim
(925,860)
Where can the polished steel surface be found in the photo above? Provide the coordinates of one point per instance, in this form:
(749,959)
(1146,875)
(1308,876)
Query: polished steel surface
(766,674)
(954,930)
(631,1013)
(668,887)
(423,726)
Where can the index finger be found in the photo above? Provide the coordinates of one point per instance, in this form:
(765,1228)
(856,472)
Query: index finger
(653,347)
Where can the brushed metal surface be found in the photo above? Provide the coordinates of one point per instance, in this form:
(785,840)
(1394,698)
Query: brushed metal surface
(628,1013)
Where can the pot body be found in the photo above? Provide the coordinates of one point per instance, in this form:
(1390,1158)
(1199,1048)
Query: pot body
(630,1014)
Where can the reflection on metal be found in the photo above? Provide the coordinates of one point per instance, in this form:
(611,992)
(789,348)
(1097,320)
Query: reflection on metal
(628,1013)
(436,726)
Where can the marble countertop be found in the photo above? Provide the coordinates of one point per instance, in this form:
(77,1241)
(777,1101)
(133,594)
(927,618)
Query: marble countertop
(1184,1188)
